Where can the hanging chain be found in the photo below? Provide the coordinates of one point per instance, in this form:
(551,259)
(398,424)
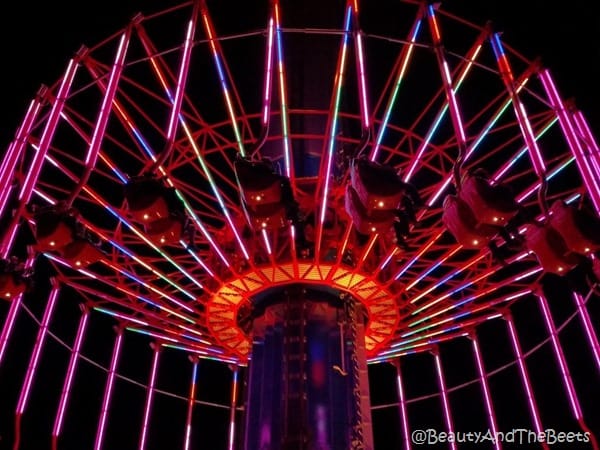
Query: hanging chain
(356,438)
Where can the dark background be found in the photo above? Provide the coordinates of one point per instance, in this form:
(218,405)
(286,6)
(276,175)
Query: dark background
(37,40)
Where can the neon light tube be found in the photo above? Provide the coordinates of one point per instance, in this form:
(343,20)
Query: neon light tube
(533,409)
(71,368)
(120,288)
(506,72)
(16,148)
(589,140)
(465,313)
(590,332)
(360,67)
(149,396)
(486,391)
(190,409)
(285,119)
(9,323)
(111,210)
(36,164)
(199,157)
(455,115)
(108,390)
(405,57)
(444,397)
(560,358)
(403,409)
(325,170)
(181,82)
(37,351)
(103,115)
(222,80)
(587,172)
(268,75)
(121,316)
(234,389)
(50,128)
(128,122)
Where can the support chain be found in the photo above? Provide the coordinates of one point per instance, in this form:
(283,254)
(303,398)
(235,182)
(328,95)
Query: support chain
(356,438)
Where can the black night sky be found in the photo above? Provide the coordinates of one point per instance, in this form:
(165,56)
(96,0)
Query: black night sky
(37,40)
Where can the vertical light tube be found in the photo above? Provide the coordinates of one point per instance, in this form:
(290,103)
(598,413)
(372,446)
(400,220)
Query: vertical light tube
(268,83)
(533,409)
(526,130)
(470,59)
(108,390)
(327,161)
(16,148)
(9,323)
(589,140)
(486,391)
(216,52)
(181,81)
(285,117)
(71,368)
(455,114)
(149,395)
(590,332)
(37,350)
(360,66)
(36,164)
(560,358)
(444,396)
(103,114)
(11,317)
(50,128)
(191,401)
(189,135)
(403,62)
(586,170)
(234,390)
(403,410)
(129,123)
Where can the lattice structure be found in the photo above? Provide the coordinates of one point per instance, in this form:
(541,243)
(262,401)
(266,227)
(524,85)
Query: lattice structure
(426,170)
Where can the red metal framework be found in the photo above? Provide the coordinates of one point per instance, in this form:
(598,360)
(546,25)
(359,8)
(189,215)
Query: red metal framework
(180,108)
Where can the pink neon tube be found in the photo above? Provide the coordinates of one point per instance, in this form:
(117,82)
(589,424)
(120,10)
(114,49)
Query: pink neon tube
(16,149)
(71,368)
(149,396)
(360,66)
(590,332)
(486,391)
(37,351)
(526,130)
(36,164)
(103,114)
(33,365)
(444,396)
(587,172)
(234,390)
(590,141)
(108,391)
(9,322)
(402,64)
(322,190)
(533,409)
(560,358)
(403,409)
(283,99)
(190,409)
(457,121)
(564,368)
